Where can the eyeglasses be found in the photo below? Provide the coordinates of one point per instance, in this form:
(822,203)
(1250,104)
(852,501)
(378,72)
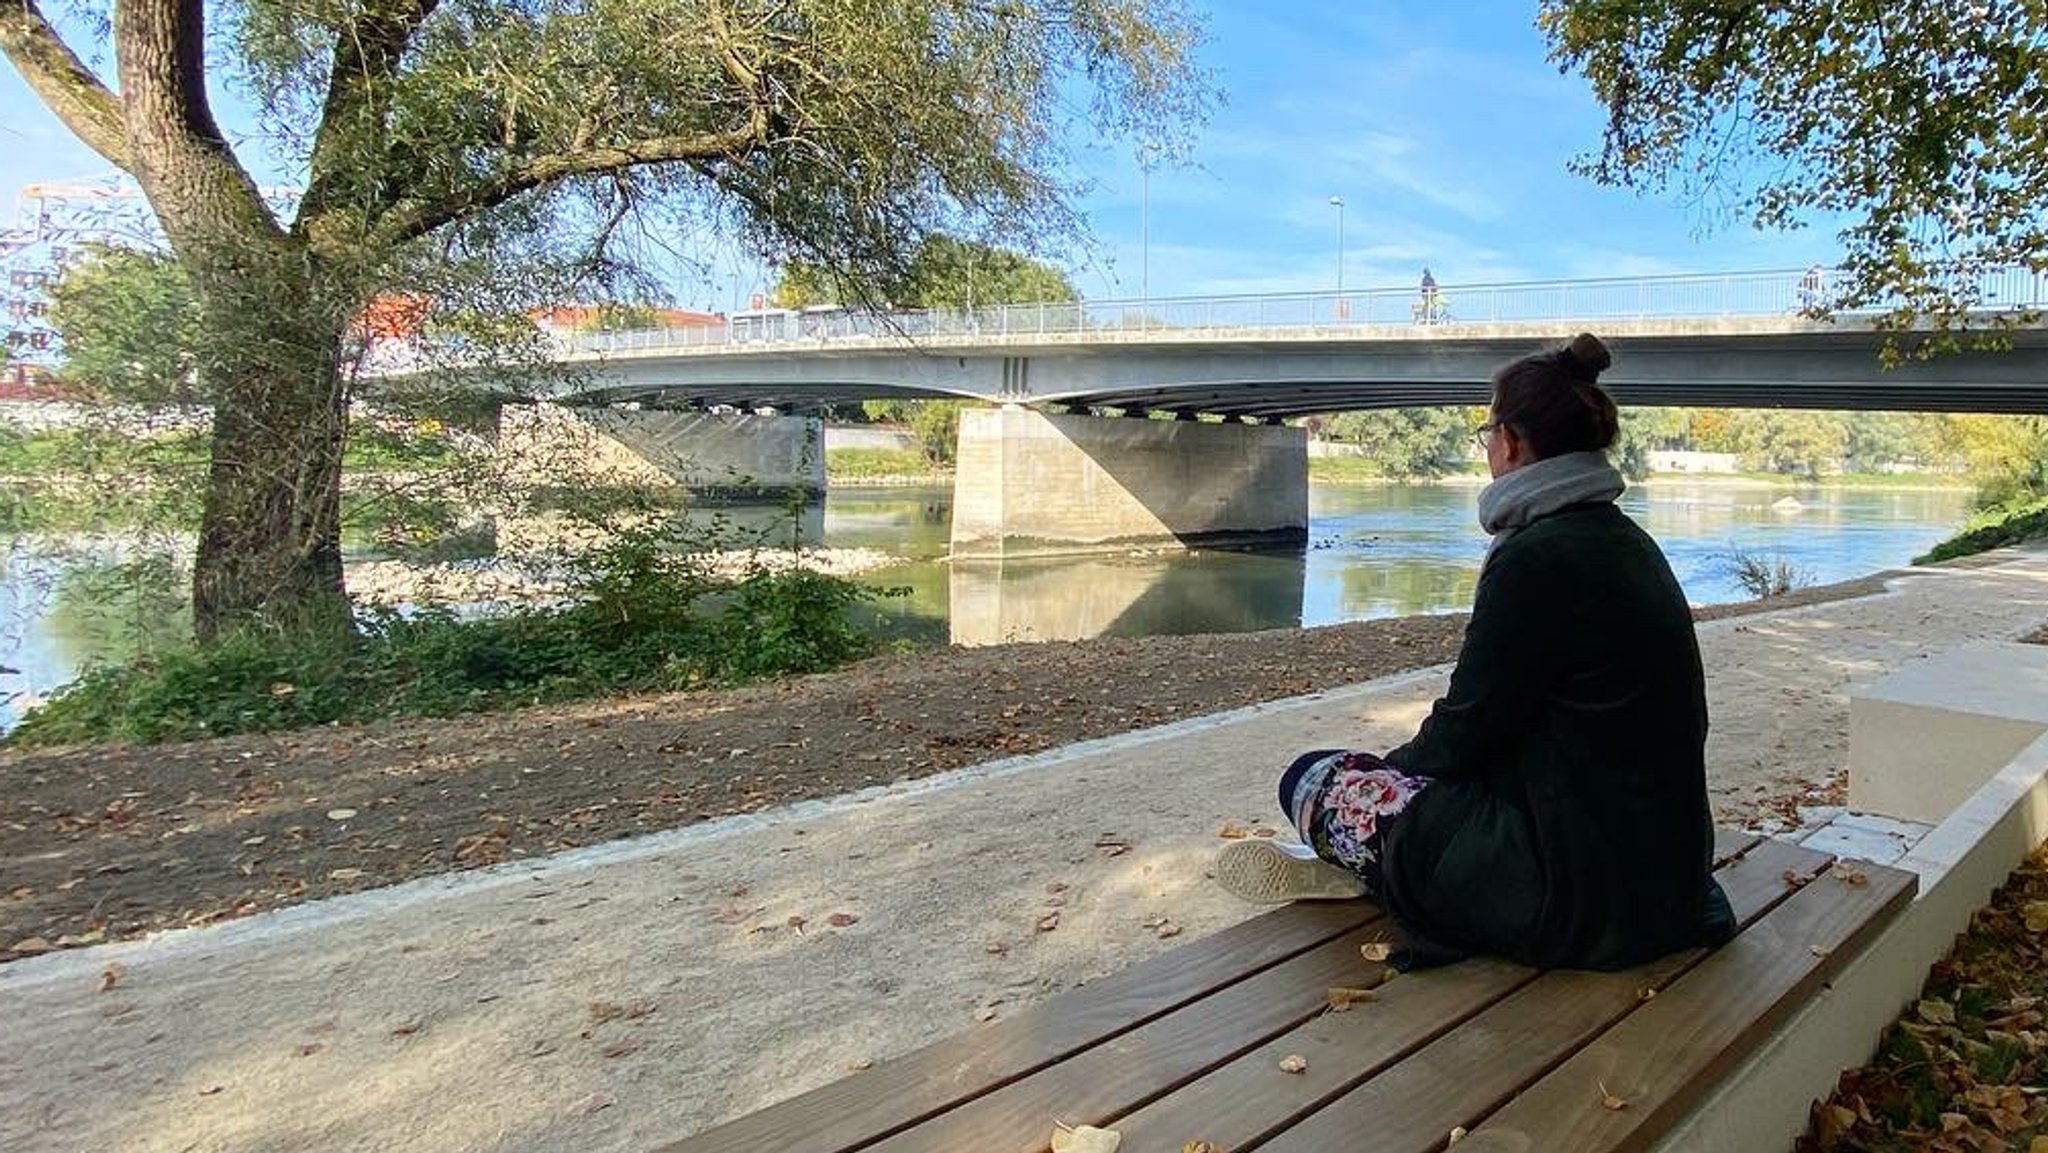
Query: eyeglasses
(1484,431)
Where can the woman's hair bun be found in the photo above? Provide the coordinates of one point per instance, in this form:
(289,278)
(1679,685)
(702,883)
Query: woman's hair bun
(1589,354)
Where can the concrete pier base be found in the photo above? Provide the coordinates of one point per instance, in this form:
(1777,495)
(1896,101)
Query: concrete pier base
(710,454)
(1026,483)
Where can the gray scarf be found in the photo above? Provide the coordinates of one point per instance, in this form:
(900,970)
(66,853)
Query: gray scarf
(1536,490)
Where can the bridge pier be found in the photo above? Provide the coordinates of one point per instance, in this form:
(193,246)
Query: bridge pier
(716,455)
(1027,483)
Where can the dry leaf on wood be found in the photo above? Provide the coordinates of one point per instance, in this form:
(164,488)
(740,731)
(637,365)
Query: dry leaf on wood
(1376,951)
(1610,1102)
(1167,929)
(1084,1139)
(1457,1135)
(1342,998)
(1795,879)
(1232,831)
(1201,1147)
(1294,1063)
(1850,875)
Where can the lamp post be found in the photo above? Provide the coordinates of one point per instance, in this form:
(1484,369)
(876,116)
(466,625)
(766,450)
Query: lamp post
(1337,202)
(1145,154)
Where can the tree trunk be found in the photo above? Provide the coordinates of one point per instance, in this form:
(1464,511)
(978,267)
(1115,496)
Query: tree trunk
(270,535)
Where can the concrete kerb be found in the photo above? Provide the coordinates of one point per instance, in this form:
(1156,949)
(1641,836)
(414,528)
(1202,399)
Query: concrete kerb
(73,963)
(1765,1102)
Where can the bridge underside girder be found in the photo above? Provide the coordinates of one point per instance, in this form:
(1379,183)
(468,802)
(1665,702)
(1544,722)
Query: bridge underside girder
(1812,369)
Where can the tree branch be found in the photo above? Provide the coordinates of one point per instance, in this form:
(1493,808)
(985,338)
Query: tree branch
(415,218)
(62,81)
(201,193)
(366,57)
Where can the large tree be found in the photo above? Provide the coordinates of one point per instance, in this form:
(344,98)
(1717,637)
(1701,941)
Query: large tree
(430,132)
(1922,127)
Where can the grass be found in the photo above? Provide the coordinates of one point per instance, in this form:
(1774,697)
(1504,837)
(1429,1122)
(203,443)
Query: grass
(2022,519)
(857,464)
(1865,480)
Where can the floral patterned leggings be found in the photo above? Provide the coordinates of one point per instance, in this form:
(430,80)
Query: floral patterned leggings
(1342,803)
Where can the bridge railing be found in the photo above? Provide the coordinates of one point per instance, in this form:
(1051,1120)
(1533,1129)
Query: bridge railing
(1764,293)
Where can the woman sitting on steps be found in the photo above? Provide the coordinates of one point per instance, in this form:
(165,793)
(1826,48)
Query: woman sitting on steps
(1553,807)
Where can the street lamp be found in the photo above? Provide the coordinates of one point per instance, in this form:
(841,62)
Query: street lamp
(1145,156)
(1337,202)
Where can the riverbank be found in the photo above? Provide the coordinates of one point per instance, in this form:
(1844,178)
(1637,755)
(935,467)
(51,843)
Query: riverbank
(115,842)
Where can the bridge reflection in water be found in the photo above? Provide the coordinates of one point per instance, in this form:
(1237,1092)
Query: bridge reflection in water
(1073,598)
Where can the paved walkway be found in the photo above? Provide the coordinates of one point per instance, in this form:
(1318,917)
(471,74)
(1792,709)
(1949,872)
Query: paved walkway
(614,997)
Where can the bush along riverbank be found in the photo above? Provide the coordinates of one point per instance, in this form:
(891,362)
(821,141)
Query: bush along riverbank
(2015,522)
(642,618)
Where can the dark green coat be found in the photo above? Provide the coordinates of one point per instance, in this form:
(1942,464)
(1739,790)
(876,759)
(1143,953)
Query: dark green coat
(1567,824)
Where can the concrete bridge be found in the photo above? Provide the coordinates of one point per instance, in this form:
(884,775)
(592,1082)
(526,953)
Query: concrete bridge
(1047,472)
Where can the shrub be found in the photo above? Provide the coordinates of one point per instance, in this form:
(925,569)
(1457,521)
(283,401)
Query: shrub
(1764,579)
(2022,519)
(645,619)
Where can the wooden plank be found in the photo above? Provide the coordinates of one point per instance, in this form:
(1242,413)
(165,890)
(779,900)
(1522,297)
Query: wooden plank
(856,1111)
(1251,1100)
(1126,1071)
(1732,843)
(1664,1058)
(1469,1072)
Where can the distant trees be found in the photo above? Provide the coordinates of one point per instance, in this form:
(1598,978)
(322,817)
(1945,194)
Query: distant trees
(1407,442)
(943,272)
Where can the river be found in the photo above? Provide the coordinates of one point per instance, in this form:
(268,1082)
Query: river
(1373,551)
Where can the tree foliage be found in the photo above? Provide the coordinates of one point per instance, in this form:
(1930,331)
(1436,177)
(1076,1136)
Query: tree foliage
(1925,126)
(944,272)
(1407,442)
(130,326)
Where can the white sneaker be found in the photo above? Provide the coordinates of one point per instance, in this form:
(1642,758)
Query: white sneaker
(1271,873)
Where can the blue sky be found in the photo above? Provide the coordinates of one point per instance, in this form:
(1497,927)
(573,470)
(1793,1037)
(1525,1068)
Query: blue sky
(1443,127)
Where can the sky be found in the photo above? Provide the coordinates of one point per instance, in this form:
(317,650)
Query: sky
(1442,126)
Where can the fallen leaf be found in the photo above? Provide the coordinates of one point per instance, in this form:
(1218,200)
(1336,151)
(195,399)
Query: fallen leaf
(1610,1102)
(31,945)
(1343,997)
(254,841)
(1232,831)
(1849,875)
(1294,1063)
(310,1048)
(340,814)
(211,1091)
(995,948)
(1112,845)
(1084,1139)
(987,1014)
(841,920)
(860,1063)
(1265,831)
(344,874)
(111,975)
(1201,1147)
(1819,950)
(2036,915)
(797,923)
(1936,1012)
(1167,929)
(1056,887)
(585,1106)
(1049,922)
(1376,951)
(1457,1135)
(623,1048)
(1055,901)
(408,1028)
(1646,992)
(2038,1145)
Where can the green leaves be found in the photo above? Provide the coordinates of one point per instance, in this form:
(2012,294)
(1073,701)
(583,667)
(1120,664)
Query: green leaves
(1922,128)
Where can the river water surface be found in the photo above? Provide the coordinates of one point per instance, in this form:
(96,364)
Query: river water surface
(1373,551)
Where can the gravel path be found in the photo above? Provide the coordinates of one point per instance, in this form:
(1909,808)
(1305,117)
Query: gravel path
(629,993)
